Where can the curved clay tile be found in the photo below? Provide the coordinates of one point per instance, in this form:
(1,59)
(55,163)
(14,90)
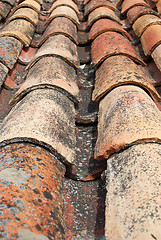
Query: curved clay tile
(20,29)
(156,55)
(138,11)
(50,72)
(101,12)
(11,2)
(143,22)
(45,117)
(151,38)
(3,73)
(120,70)
(158,5)
(60,25)
(110,44)
(4,9)
(27,3)
(105,25)
(128,4)
(63,11)
(93,4)
(68,3)
(25,13)
(127,116)
(10,49)
(58,45)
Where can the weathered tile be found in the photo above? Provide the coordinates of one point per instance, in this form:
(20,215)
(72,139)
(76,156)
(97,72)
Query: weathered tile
(133,194)
(3,73)
(105,25)
(112,43)
(120,70)
(151,38)
(10,49)
(93,4)
(158,5)
(58,45)
(27,3)
(101,12)
(86,1)
(138,11)
(39,1)
(20,29)
(5,96)
(127,116)
(11,2)
(60,25)
(63,11)
(25,13)
(26,55)
(45,117)
(31,170)
(68,3)
(128,4)
(50,72)
(4,9)
(156,55)
(143,22)
(84,53)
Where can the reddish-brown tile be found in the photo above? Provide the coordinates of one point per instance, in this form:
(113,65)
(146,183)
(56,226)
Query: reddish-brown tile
(143,22)
(27,3)
(120,70)
(156,55)
(151,38)
(105,25)
(127,116)
(27,55)
(93,4)
(63,11)
(138,11)
(58,45)
(27,14)
(50,72)
(5,96)
(10,49)
(128,4)
(46,117)
(31,170)
(68,3)
(158,5)
(3,73)
(20,29)
(11,2)
(84,53)
(112,43)
(60,25)
(4,9)
(101,12)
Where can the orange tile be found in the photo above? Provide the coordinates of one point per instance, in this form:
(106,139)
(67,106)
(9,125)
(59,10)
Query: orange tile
(127,116)
(26,55)
(128,4)
(68,3)
(156,55)
(27,3)
(112,43)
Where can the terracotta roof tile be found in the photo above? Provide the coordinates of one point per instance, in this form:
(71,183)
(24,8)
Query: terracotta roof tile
(25,13)
(112,43)
(60,25)
(44,116)
(11,2)
(27,3)
(156,55)
(58,45)
(4,9)
(63,11)
(127,116)
(101,12)
(158,5)
(93,4)
(138,11)
(68,3)
(50,72)
(105,25)
(26,55)
(128,4)
(120,70)
(5,96)
(3,73)
(20,29)
(151,38)
(10,49)
(143,22)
